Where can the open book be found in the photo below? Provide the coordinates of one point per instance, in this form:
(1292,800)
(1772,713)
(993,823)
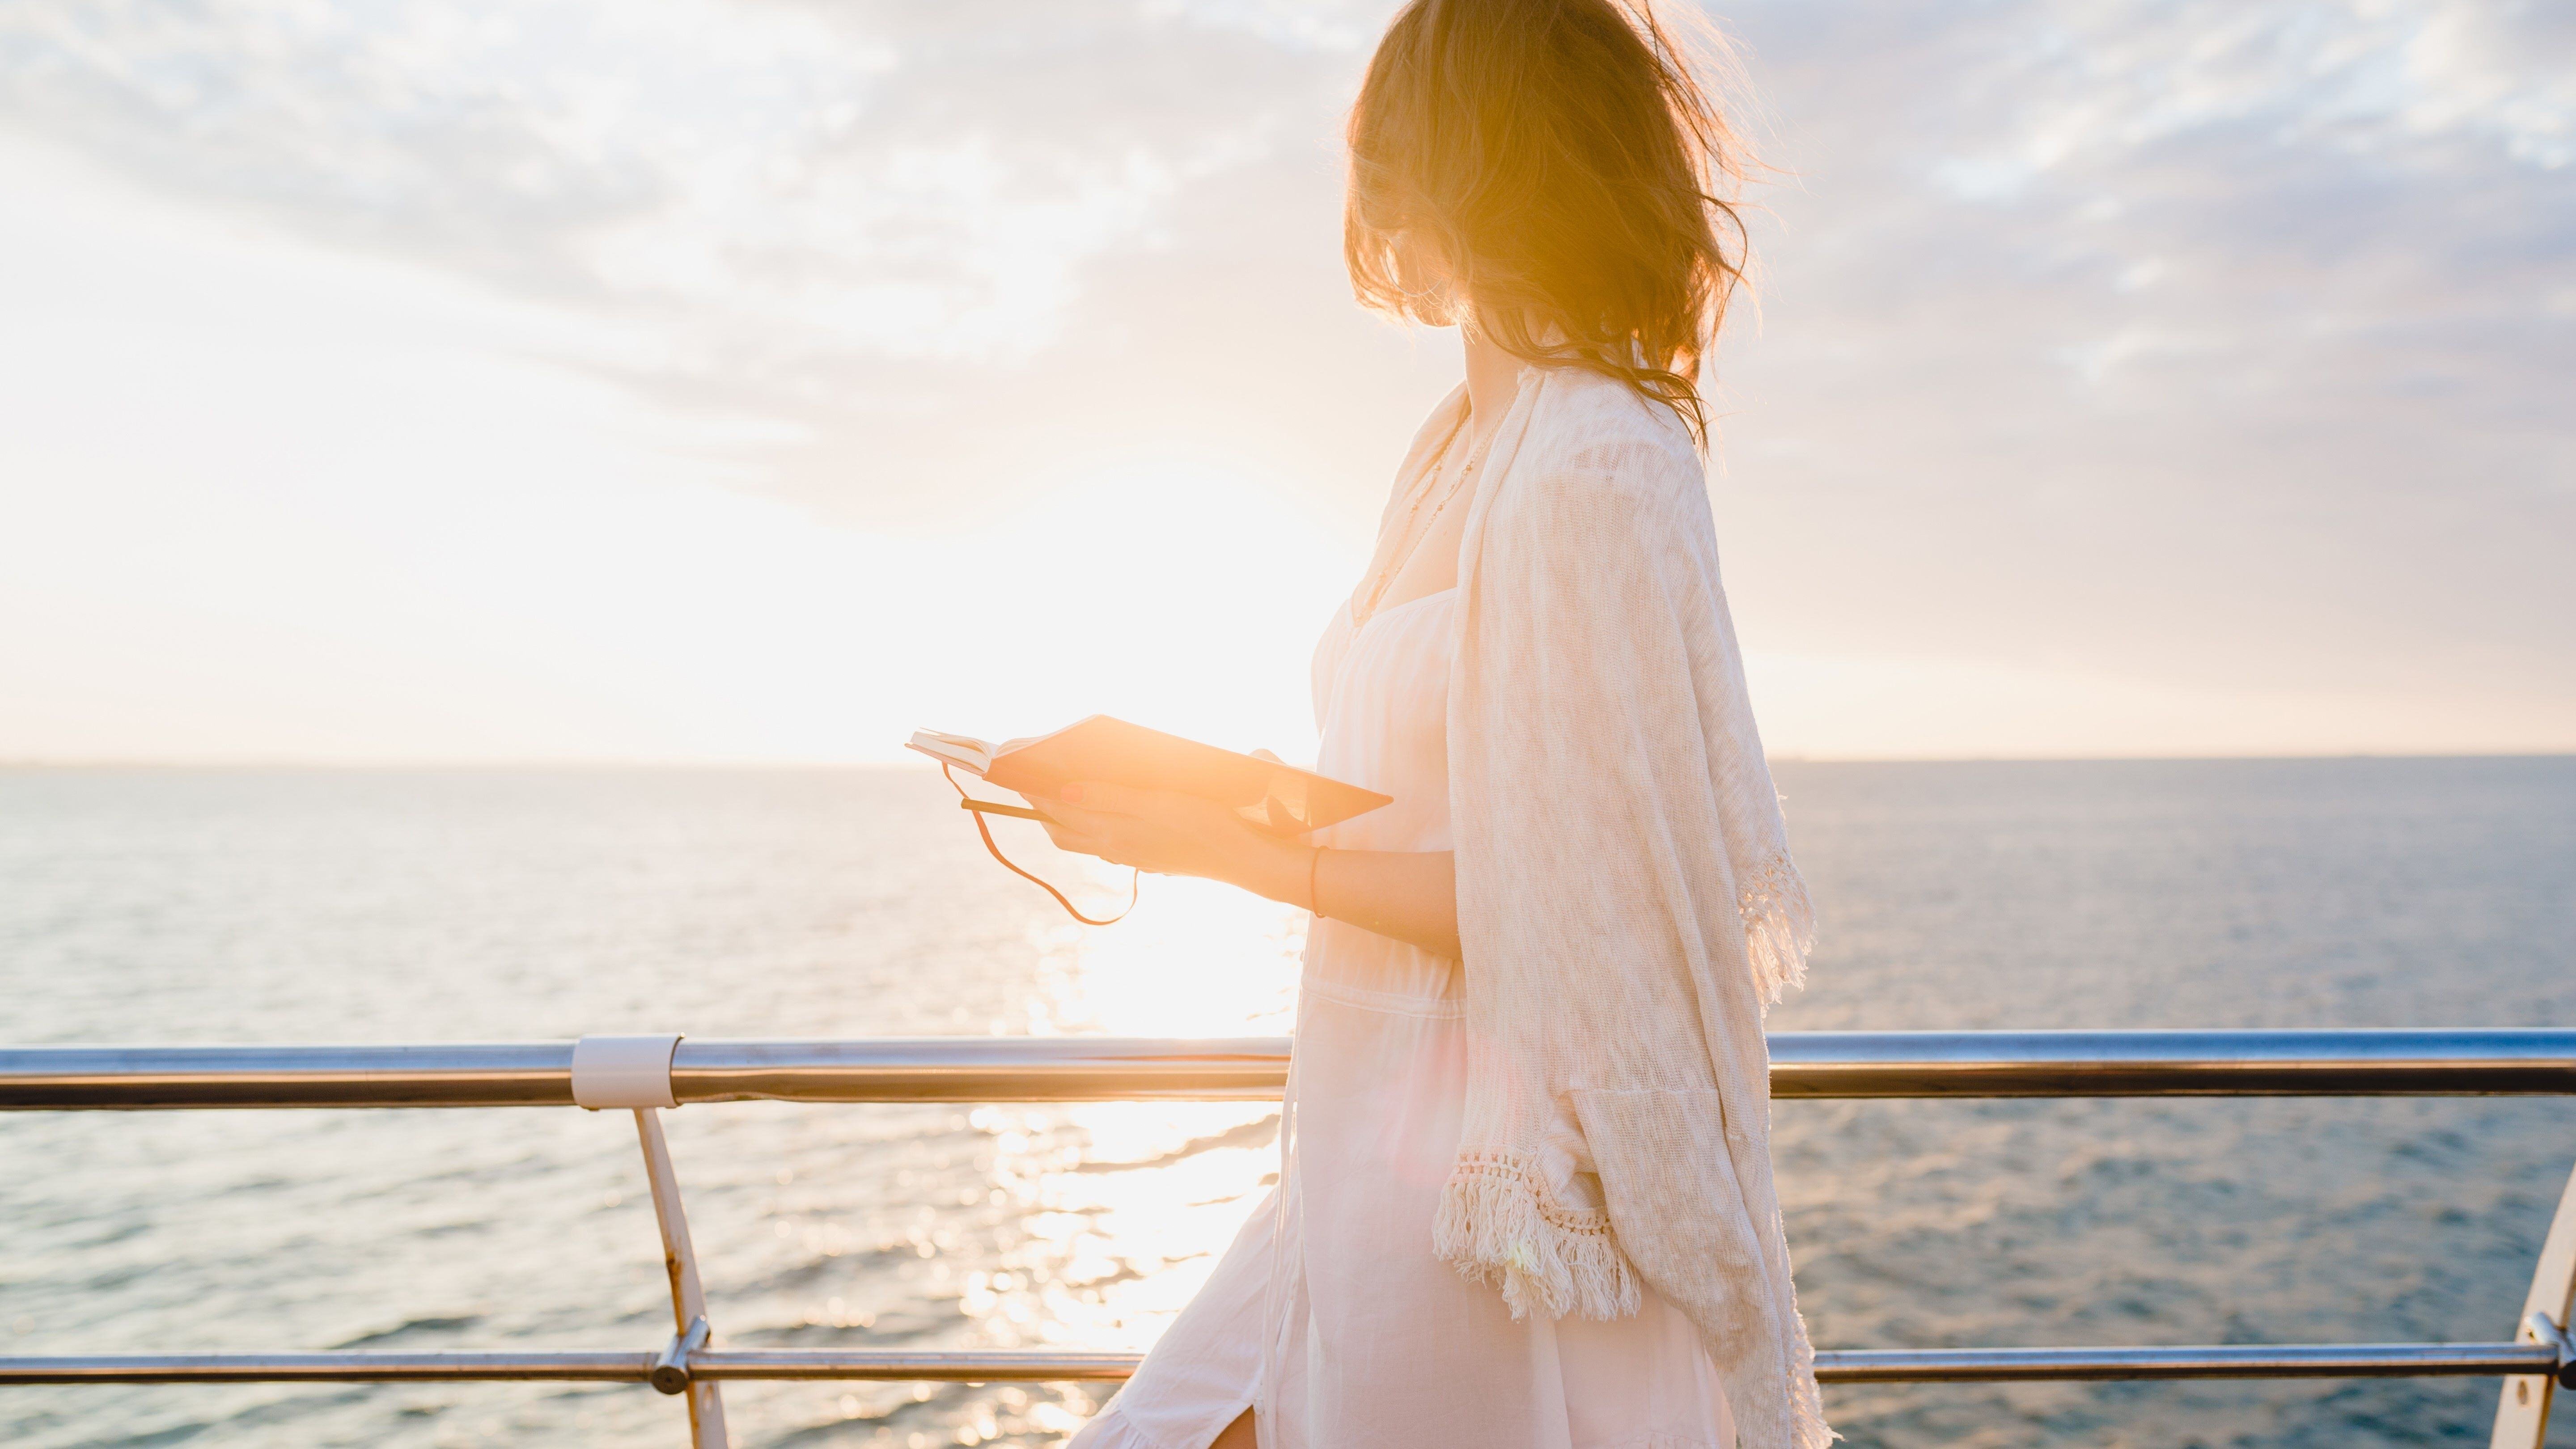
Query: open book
(1278,798)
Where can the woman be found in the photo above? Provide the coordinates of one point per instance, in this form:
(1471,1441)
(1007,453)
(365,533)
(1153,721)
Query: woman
(1529,1040)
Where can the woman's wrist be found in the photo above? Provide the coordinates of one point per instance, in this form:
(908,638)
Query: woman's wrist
(1277,869)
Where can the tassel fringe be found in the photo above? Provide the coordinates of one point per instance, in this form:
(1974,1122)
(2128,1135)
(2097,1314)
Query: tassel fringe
(1497,1225)
(1779,927)
(1807,1426)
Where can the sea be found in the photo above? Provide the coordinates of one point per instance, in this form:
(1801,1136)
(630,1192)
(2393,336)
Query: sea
(204,906)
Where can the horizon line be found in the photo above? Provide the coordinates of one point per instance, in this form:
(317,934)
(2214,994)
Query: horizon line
(752,766)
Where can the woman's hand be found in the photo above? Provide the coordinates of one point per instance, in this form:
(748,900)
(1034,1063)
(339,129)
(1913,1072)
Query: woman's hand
(1168,834)
(1411,896)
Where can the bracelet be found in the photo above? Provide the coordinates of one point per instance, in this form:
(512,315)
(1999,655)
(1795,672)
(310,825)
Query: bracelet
(1314,902)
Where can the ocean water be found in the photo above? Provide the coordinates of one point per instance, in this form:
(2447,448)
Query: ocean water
(226,906)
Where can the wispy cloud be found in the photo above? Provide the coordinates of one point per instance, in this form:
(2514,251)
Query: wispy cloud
(2232,337)
(772,183)
(2218,342)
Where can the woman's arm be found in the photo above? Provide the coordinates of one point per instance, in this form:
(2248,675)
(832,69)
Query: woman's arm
(1409,895)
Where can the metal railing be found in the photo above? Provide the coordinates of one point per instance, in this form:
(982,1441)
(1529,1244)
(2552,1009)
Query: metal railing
(647,1074)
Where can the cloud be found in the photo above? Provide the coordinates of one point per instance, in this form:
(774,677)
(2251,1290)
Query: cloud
(889,180)
(2213,339)
(2221,344)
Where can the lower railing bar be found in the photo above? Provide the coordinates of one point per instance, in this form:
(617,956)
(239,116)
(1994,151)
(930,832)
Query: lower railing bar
(962,1366)
(255,1368)
(2228,1361)
(1833,1366)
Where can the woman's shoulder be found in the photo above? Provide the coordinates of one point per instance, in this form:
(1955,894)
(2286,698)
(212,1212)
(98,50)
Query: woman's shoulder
(1592,435)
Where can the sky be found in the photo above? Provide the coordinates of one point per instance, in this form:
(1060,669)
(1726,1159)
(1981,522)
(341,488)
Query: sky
(669,381)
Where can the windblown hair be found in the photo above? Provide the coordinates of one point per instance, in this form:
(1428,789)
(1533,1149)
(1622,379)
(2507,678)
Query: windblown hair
(1565,168)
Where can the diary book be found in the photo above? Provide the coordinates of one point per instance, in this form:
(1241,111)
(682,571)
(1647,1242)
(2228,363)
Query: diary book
(1278,798)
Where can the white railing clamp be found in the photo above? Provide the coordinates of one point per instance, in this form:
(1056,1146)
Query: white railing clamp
(623,1071)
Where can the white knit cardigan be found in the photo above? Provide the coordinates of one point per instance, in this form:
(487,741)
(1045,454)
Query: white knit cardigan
(1626,900)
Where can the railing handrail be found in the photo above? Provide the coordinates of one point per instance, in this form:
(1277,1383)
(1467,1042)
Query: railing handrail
(2399,1062)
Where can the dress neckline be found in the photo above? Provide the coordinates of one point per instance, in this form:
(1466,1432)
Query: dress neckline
(1350,608)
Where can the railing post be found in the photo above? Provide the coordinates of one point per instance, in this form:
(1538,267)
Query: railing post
(2522,1413)
(635,1071)
(688,1297)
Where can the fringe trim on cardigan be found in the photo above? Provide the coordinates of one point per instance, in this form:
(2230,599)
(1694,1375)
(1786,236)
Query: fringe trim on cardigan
(1499,1225)
(1779,926)
(1807,1426)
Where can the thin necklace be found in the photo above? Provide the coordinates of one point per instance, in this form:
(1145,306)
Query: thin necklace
(1405,538)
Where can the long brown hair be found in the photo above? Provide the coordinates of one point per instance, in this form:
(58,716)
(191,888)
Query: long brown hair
(1569,172)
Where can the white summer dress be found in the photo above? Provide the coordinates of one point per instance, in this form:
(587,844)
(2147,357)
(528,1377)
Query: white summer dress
(1330,1313)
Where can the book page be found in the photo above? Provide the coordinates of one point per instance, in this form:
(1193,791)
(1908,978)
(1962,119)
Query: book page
(965,752)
